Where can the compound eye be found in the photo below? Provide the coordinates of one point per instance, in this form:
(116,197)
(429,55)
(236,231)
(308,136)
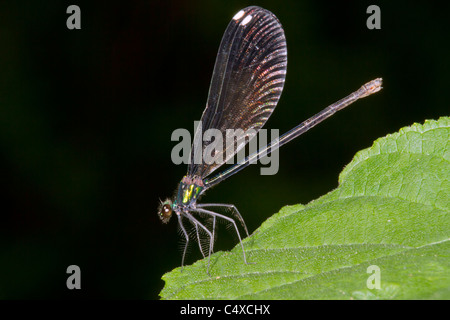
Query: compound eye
(165,212)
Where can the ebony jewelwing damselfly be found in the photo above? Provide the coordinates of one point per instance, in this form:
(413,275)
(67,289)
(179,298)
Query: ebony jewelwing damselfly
(246,85)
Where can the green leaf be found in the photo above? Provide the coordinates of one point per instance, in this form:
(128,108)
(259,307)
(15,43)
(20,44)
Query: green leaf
(389,211)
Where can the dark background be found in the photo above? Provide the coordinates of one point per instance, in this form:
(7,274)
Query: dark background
(86,118)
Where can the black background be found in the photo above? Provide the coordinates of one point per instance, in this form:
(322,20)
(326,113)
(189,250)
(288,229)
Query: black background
(86,118)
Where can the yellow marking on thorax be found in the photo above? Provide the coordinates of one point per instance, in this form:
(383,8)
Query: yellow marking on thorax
(188,193)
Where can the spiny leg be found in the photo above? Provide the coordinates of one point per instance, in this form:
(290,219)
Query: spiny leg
(196,222)
(199,240)
(187,240)
(231,206)
(213,236)
(228,219)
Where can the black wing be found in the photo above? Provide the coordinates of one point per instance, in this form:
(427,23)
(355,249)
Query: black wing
(246,85)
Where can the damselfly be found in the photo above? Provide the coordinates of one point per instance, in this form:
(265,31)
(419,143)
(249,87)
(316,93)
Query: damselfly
(246,85)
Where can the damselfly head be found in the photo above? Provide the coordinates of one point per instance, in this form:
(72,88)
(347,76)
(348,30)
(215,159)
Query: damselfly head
(165,210)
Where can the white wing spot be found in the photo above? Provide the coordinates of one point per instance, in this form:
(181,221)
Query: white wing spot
(246,20)
(238,15)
